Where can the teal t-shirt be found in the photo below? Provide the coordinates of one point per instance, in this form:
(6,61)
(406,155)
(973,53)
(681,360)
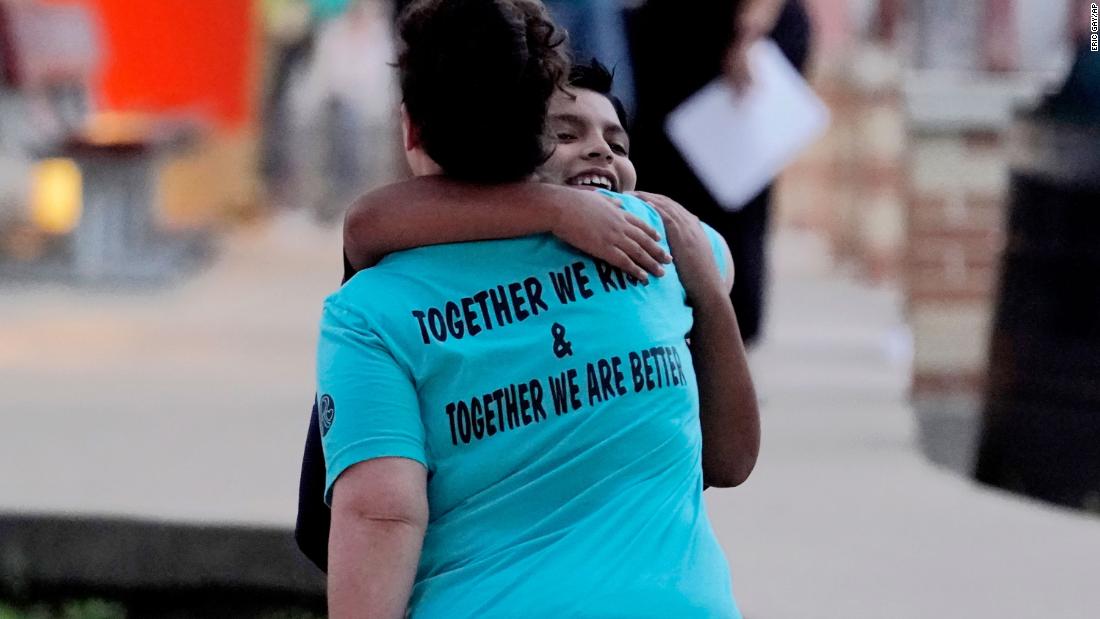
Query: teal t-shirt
(554,403)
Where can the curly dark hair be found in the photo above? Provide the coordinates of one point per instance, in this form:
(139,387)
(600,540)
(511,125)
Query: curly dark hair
(476,78)
(595,76)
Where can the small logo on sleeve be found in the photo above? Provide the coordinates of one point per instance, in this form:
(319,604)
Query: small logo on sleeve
(326,412)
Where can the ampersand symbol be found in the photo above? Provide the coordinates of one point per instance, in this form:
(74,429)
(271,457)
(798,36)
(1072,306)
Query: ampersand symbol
(562,348)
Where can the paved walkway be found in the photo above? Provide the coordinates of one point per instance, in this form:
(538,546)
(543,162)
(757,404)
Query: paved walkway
(189,405)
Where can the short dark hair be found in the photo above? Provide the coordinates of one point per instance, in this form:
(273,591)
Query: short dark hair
(595,76)
(476,79)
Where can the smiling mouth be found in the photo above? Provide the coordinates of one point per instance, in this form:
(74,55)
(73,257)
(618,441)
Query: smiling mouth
(594,181)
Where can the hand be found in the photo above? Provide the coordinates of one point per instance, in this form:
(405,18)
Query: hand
(753,22)
(691,250)
(736,68)
(597,225)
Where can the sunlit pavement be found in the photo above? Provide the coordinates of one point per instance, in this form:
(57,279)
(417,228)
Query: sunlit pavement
(189,404)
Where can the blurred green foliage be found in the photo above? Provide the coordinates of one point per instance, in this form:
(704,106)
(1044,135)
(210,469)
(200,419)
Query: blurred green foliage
(78,609)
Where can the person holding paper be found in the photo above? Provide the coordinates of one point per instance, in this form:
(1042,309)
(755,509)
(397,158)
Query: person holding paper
(678,48)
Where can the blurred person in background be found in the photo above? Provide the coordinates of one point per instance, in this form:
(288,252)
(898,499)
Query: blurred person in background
(355,97)
(288,25)
(678,48)
(563,494)
(328,108)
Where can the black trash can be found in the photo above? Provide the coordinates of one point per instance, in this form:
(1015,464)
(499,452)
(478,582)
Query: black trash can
(1041,425)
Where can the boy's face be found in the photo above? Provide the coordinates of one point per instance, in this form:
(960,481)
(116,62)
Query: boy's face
(591,147)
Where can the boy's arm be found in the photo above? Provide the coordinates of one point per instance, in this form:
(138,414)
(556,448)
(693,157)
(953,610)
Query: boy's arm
(431,210)
(728,412)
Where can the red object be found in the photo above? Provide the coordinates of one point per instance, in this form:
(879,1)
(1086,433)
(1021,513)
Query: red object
(1000,36)
(172,56)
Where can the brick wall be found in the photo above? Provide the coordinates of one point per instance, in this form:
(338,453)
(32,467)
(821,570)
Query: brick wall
(972,67)
(955,230)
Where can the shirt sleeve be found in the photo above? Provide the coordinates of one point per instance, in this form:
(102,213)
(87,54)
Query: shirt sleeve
(366,403)
(650,215)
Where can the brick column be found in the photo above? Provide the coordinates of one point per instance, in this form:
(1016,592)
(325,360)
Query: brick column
(877,228)
(849,185)
(958,113)
(955,231)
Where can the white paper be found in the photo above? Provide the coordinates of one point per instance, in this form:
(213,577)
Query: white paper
(737,145)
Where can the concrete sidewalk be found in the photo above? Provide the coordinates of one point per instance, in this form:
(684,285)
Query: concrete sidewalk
(843,517)
(189,405)
(166,425)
